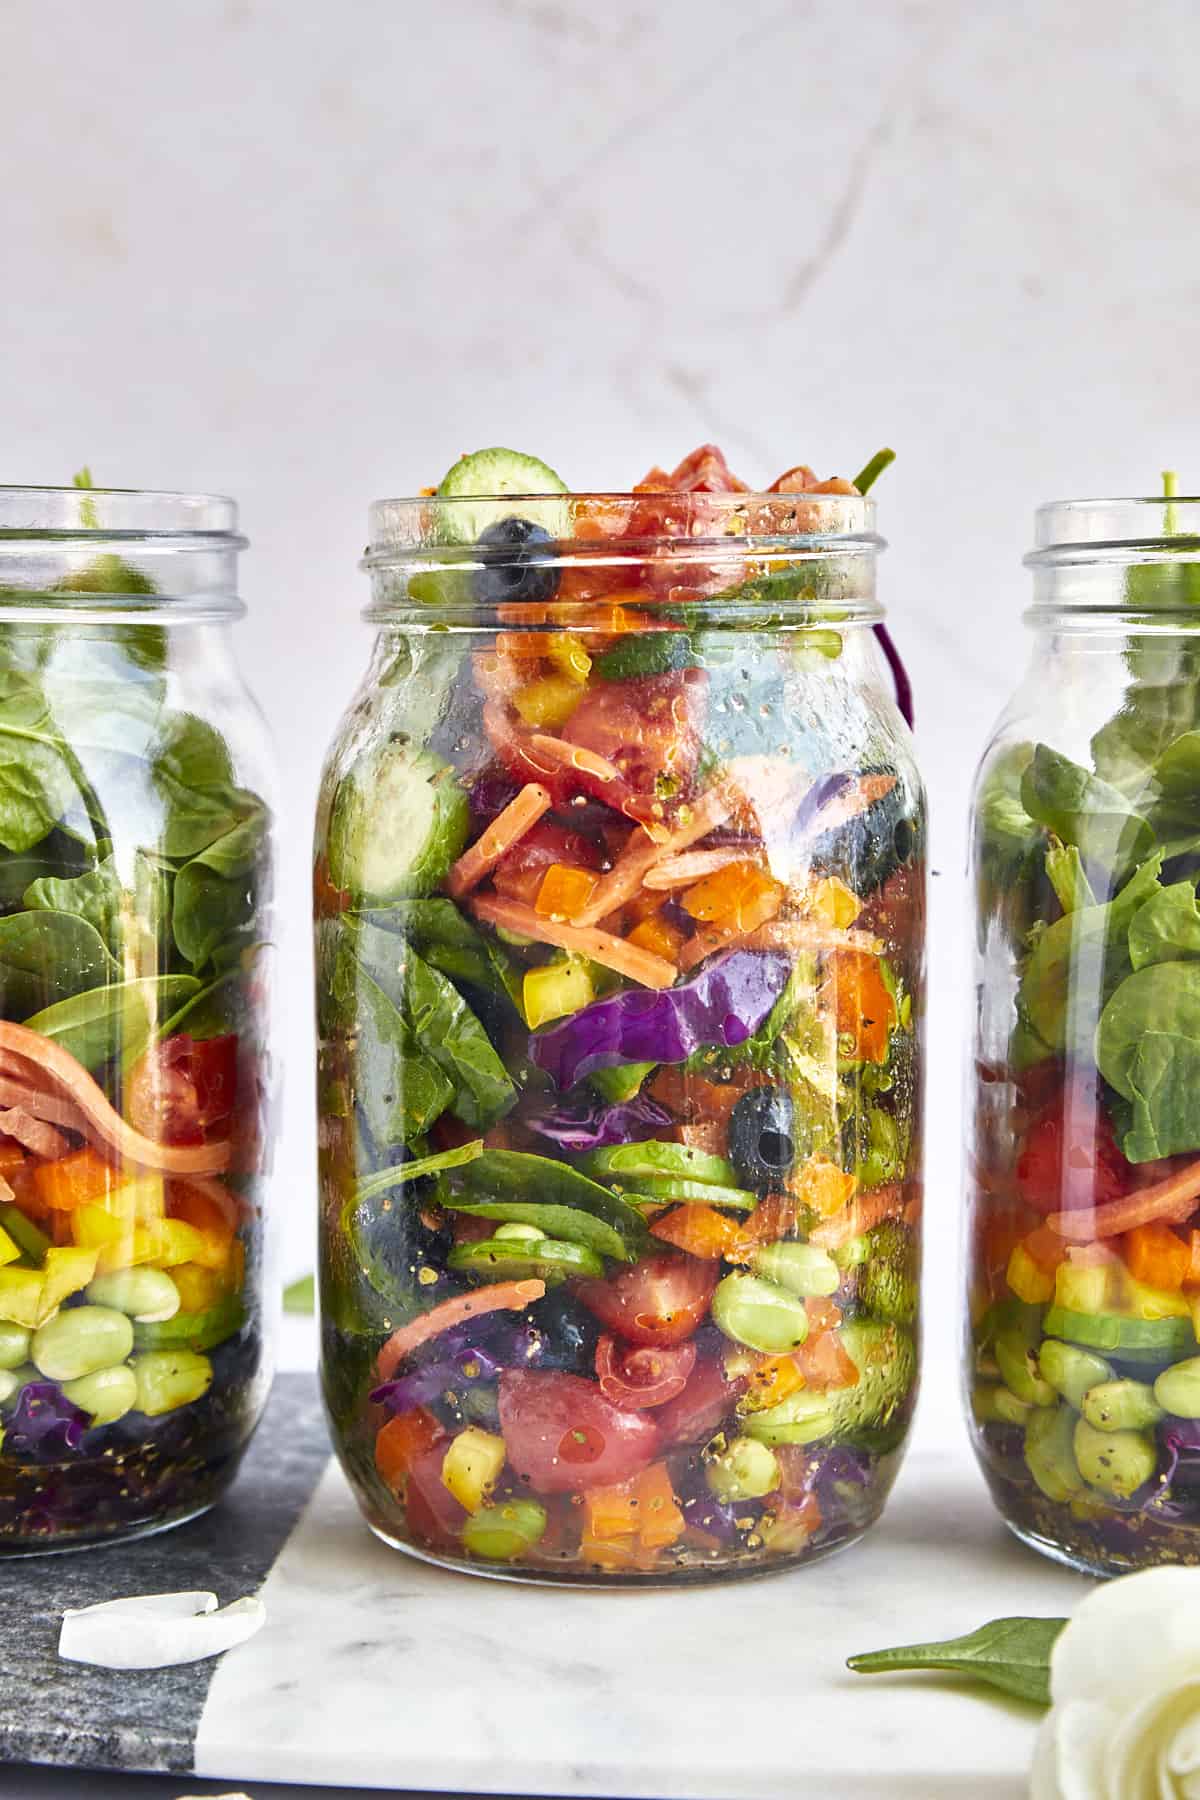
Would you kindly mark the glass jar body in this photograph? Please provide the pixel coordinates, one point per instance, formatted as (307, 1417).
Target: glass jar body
(1082, 1128)
(645, 1309)
(135, 1082)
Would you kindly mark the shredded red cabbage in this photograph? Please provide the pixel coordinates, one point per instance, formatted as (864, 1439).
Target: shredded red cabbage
(44, 1424)
(594, 1126)
(721, 1006)
(904, 694)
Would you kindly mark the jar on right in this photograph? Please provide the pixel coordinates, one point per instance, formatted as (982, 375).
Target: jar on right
(1083, 1163)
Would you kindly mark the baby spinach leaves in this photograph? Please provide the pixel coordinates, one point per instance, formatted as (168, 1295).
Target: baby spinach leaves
(536, 1190)
(94, 896)
(400, 1090)
(47, 957)
(215, 894)
(1148, 1048)
(1086, 811)
(118, 1019)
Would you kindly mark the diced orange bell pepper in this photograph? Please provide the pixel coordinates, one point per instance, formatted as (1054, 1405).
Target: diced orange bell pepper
(823, 1186)
(661, 1521)
(401, 1441)
(699, 1230)
(864, 1011)
(774, 1379)
(1045, 1248)
(196, 1208)
(547, 701)
(612, 1553)
(823, 1314)
(643, 1509)
(1156, 1255)
(825, 1364)
(659, 936)
(739, 897)
(80, 1179)
(12, 1158)
(611, 1512)
(565, 891)
(773, 1218)
(1193, 1274)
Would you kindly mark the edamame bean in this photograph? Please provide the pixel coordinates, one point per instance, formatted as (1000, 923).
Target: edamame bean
(1177, 1389)
(10, 1385)
(1116, 1462)
(1121, 1406)
(747, 1470)
(1072, 1371)
(108, 1394)
(850, 1255)
(502, 1532)
(801, 1268)
(1019, 1367)
(167, 1379)
(148, 1295)
(993, 1405)
(14, 1344)
(78, 1340)
(1050, 1452)
(760, 1314)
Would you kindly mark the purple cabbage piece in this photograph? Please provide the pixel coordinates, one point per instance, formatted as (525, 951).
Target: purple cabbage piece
(490, 794)
(720, 1007)
(427, 1384)
(819, 796)
(717, 1517)
(903, 686)
(595, 1126)
(44, 1424)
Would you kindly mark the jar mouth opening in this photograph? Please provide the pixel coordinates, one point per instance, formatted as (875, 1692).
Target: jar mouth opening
(41, 514)
(1122, 530)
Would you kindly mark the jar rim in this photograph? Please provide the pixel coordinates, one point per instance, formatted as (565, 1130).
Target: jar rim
(93, 513)
(1120, 529)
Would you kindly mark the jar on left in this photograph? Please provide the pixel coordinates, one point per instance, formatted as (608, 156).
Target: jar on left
(135, 1076)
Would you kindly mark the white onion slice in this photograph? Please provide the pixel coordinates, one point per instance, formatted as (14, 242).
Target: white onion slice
(157, 1631)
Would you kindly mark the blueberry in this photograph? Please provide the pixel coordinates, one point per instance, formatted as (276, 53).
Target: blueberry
(762, 1136)
(515, 554)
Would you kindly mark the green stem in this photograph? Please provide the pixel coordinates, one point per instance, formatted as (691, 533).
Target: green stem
(1170, 481)
(867, 477)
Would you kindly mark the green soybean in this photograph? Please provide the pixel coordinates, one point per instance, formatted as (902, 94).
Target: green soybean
(760, 1314)
(503, 1532)
(1019, 1367)
(1121, 1406)
(108, 1394)
(1177, 1389)
(1072, 1371)
(14, 1344)
(850, 1255)
(801, 1268)
(78, 1340)
(803, 1418)
(1116, 1462)
(145, 1294)
(994, 1405)
(746, 1470)
(167, 1379)
(1050, 1452)
(10, 1385)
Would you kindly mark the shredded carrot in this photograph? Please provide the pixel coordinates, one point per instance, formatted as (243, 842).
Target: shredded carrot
(1172, 1201)
(777, 934)
(37, 1136)
(614, 952)
(23, 1094)
(681, 871)
(510, 1296)
(518, 817)
(863, 1212)
(573, 756)
(642, 853)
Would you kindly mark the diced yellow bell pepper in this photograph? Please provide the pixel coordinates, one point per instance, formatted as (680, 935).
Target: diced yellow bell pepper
(1028, 1282)
(199, 1288)
(180, 1242)
(555, 990)
(548, 701)
(67, 1269)
(1145, 1302)
(21, 1296)
(9, 1252)
(1085, 1287)
(472, 1466)
(569, 657)
(831, 900)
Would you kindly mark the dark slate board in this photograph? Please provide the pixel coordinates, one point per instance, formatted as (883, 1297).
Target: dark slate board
(65, 1713)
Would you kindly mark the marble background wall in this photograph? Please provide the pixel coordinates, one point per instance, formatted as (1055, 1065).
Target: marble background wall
(306, 253)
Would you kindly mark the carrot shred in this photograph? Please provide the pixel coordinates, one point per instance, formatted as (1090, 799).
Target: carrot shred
(511, 1296)
(777, 934)
(507, 829)
(693, 865)
(614, 952)
(643, 853)
(572, 756)
(1172, 1200)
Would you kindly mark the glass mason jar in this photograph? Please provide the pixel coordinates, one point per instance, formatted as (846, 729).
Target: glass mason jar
(135, 899)
(619, 916)
(1083, 1174)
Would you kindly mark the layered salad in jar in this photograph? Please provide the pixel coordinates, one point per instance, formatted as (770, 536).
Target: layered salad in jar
(619, 977)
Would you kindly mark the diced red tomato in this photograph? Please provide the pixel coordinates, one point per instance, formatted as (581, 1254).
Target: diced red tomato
(430, 1508)
(182, 1087)
(520, 872)
(645, 1377)
(659, 1301)
(1070, 1157)
(402, 1441)
(564, 1436)
(704, 1402)
(648, 728)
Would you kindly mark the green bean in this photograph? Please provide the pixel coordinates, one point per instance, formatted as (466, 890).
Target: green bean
(994, 1405)
(148, 1295)
(108, 1394)
(167, 1379)
(746, 1470)
(760, 1314)
(1177, 1389)
(1072, 1371)
(801, 1268)
(14, 1344)
(78, 1340)
(1050, 1452)
(1116, 1462)
(1121, 1406)
(1019, 1367)
(502, 1532)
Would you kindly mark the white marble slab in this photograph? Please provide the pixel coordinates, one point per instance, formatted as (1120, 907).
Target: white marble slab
(378, 1671)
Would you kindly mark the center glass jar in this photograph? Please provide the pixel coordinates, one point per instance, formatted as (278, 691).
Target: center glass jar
(619, 902)
(1084, 1154)
(135, 898)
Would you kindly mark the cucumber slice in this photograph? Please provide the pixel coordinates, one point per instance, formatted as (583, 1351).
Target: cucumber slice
(487, 475)
(646, 653)
(399, 820)
(657, 1188)
(1134, 1340)
(515, 1259)
(654, 1157)
(192, 1331)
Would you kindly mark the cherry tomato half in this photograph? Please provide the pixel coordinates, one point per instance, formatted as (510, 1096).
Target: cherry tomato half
(563, 1436)
(645, 1377)
(1070, 1157)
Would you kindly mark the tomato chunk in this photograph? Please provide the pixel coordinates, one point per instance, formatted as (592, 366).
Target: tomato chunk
(520, 872)
(648, 727)
(645, 1377)
(183, 1087)
(563, 1436)
(1070, 1157)
(658, 1301)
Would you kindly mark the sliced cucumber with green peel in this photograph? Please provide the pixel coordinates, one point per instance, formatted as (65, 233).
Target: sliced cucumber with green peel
(399, 820)
(1134, 1340)
(487, 476)
(191, 1331)
(658, 1188)
(518, 1259)
(646, 653)
(655, 1158)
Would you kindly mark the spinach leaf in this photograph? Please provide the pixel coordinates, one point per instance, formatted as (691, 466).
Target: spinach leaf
(95, 896)
(46, 956)
(209, 1011)
(443, 1026)
(536, 1190)
(1166, 928)
(1150, 719)
(1084, 810)
(120, 1017)
(192, 773)
(60, 854)
(215, 894)
(1148, 1049)
(401, 1090)
(448, 941)
(1010, 1654)
(37, 785)
(1008, 846)
(1068, 878)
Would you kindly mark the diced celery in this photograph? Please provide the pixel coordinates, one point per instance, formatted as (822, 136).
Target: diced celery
(33, 1242)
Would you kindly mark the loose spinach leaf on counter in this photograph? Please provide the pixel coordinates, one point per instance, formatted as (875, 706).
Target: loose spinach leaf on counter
(48, 956)
(1010, 1654)
(94, 896)
(1082, 809)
